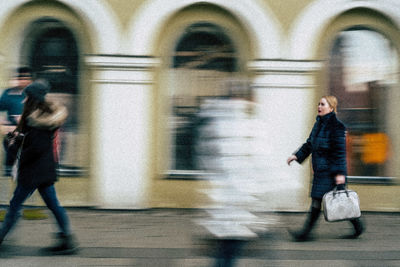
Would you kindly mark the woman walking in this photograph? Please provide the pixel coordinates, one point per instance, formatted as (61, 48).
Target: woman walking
(37, 167)
(327, 144)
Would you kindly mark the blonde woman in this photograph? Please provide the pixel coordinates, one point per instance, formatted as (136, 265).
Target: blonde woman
(327, 144)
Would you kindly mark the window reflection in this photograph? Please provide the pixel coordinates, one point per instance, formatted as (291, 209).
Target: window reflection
(362, 70)
(53, 55)
(205, 66)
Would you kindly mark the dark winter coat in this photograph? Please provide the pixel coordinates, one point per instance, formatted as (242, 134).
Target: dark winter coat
(327, 144)
(37, 166)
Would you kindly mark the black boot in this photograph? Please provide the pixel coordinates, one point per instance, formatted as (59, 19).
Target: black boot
(65, 245)
(304, 234)
(358, 228)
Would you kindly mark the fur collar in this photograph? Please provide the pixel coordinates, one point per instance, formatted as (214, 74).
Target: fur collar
(48, 121)
(326, 117)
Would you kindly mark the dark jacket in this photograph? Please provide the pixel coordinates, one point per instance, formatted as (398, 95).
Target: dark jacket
(327, 144)
(37, 166)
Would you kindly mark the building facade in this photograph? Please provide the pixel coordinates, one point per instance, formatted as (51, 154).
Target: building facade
(134, 73)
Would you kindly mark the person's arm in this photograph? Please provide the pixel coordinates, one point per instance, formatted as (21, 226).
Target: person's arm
(302, 153)
(11, 143)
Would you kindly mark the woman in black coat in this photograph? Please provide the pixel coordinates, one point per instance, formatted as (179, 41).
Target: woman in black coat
(327, 144)
(37, 166)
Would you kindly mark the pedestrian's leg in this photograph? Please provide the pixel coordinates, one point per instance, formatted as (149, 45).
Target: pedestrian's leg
(304, 234)
(49, 197)
(20, 195)
(358, 228)
(65, 244)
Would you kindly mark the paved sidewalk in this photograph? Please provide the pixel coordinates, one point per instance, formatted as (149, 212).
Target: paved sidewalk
(169, 237)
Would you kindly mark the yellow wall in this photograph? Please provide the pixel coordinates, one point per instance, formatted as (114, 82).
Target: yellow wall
(125, 10)
(287, 11)
(179, 194)
(378, 197)
(186, 193)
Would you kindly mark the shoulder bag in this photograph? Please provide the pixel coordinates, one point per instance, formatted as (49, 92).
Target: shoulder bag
(15, 167)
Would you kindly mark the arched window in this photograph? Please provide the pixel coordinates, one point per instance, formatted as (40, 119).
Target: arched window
(54, 56)
(52, 52)
(205, 65)
(205, 46)
(362, 69)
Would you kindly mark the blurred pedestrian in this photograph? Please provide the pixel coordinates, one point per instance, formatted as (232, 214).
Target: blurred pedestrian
(327, 144)
(11, 101)
(37, 167)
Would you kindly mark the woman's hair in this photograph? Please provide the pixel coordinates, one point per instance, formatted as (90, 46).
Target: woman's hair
(30, 106)
(332, 101)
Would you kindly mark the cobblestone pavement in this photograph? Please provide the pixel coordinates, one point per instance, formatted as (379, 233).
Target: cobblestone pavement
(170, 237)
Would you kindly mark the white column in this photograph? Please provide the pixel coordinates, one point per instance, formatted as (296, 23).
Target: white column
(120, 130)
(285, 95)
